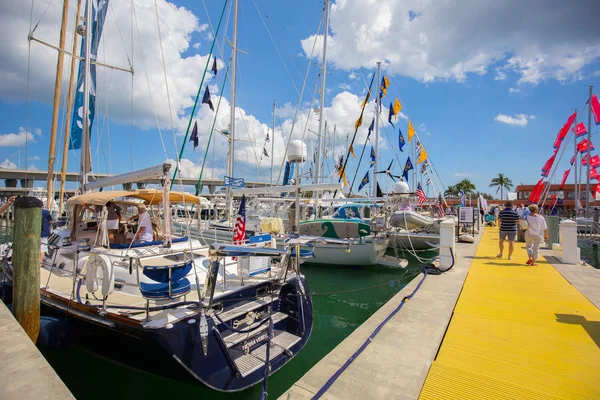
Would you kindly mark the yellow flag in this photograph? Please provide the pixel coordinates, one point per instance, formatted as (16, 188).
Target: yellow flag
(397, 107)
(352, 151)
(342, 174)
(422, 156)
(387, 82)
(358, 123)
(364, 103)
(411, 130)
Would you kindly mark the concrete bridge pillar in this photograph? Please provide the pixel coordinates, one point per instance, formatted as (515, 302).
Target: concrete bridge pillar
(10, 183)
(27, 183)
(212, 188)
(141, 185)
(127, 186)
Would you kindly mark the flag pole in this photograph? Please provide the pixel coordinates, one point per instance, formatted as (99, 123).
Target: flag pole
(589, 129)
(575, 165)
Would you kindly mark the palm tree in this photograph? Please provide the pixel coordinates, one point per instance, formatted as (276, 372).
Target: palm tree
(451, 191)
(502, 182)
(466, 186)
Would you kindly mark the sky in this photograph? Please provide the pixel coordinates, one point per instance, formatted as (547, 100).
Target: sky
(487, 85)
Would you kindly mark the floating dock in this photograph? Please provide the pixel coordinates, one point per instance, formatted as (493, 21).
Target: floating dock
(492, 329)
(24, 372)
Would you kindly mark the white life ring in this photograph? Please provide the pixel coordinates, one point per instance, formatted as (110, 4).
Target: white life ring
(99, 268)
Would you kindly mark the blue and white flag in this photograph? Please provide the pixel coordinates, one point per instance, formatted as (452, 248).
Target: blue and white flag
(99, 8)
(373, 155)
(401, 142)
(364, 181)
(463, 198)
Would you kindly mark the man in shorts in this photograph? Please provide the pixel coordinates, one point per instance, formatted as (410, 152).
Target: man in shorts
(508, 228)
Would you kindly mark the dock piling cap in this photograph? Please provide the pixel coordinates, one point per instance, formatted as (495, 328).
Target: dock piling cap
(28, 202)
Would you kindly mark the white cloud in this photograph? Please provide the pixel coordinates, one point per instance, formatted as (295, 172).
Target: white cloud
(16, 139)
(465, 174)
(517, 120)
(32, 168)
(514, 90)
(430, 40)
(500, 75)
(37, 131)
(353, 76)
(344, 86)
(177, 25)
(7, 164)
(33, 158)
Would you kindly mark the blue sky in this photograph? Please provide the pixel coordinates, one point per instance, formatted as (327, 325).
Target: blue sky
(487, 87)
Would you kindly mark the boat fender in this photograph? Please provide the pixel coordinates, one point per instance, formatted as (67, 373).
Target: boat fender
(99, 268)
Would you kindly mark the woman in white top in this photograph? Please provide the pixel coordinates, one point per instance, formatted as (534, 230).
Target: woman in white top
(535, 232)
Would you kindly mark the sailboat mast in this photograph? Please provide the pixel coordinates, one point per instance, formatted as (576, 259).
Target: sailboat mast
(377, 106)
(589, 129)
(65, 154)
(322, 101)
(56, 106)
(232, 100)
(273, 140)
(85, 134)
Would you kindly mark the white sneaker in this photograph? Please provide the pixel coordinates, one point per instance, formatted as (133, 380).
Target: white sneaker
(509, 257)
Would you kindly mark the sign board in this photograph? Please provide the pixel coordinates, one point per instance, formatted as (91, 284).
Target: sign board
(259, 265)
(265, 238)
(235, 183)
(465, 215)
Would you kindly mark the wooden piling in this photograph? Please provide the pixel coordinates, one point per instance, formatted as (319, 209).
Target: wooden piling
(26, 264)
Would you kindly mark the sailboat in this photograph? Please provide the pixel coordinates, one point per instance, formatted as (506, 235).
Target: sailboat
(224, 315)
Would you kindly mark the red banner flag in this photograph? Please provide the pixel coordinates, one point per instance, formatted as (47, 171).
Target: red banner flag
(584, 160)
(564, 178)
(596, 109)
(593, 173)
(580, 129)
(583, 146)
(564, 130)
(596, 189)
(595, 161)
(533, 197)
(548, 166)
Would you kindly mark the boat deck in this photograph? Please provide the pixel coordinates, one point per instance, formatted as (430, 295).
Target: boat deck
(517, 332)
(514, 332)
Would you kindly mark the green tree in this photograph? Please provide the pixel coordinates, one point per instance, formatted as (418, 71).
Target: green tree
(451, 192)
(502, 182)
(466, 186)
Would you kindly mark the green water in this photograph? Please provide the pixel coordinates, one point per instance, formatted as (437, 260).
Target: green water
(90, 376)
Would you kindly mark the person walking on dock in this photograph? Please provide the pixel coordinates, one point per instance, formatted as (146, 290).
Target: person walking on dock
(508, 228)
(537, 229)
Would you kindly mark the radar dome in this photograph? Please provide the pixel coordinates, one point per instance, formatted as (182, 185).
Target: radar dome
(297, 151)
(400, 187)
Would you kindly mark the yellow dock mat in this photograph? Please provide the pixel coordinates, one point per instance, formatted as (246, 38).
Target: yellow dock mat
(517, 332)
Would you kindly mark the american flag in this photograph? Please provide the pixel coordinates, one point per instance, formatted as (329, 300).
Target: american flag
(421, 195)
(440, 208)
(239, 233)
